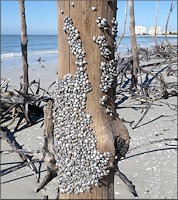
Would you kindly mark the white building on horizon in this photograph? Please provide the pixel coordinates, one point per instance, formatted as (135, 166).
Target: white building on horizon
(152, 30)
(140, 30)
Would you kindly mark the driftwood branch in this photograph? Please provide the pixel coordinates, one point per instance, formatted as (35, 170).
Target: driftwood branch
(24, 41)
(168, 21)
(48, 154)
(156, 22)
(134, 126)
(10, 139)
(12, 169)
(124, 25)
(134, 45)
(126, 181)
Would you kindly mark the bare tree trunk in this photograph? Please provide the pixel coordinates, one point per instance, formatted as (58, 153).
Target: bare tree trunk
(24, 41)
(106, 128)
(171, 8)
(124, 25)
(133, 44)
(156, 22)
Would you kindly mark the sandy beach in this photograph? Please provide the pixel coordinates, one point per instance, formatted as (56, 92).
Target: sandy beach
(151, 163)
(89, 100)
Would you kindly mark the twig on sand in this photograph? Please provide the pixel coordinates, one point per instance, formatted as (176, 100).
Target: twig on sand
(45, 181)
(12, 169)
(58, 193)
(153, 142)
(10, 139)
(134, 126)
(126, 181)
(20, 151)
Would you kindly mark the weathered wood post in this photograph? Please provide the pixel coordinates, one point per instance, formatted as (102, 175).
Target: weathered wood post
(170, 10)
(24, 41)
(133, 43)
(125, 18)
(156, 22)
(107, 129)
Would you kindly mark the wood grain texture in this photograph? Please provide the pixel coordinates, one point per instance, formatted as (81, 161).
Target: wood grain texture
(84, 19)
(24, 41)
(133, 43)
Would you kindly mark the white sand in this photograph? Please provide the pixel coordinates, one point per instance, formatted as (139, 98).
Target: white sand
(151, 167)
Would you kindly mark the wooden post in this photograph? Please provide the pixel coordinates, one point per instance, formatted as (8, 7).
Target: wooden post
(84, 19)
(124, 25)
(156, 22)
(170, 10)
(133, 43)
(24, 41)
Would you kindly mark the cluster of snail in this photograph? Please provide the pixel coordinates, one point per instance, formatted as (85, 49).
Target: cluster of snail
(103, 100)
(114, 26)
(103, 45)
(80, 164)
(108, 75)
(102, 23)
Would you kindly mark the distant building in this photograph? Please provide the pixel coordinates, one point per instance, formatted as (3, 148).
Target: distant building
(140, 30)
(152, 30)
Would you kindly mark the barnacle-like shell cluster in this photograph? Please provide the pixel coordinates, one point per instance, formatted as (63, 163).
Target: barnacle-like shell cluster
(108, 75)
(102, 23)
(80, 164)
(114, 26)
(103, 45)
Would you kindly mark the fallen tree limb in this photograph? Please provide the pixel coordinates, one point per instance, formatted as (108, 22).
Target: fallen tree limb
(134, 126)
(21, 151)
(48, 149)
(12, 169)
(10, 139)
(126, 181)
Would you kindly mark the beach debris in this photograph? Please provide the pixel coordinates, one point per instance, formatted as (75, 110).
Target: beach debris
(154, 86)
(10, 139)
(39, 59)
(126, 181)
(147, 109)
(15, 104)
(4, 84)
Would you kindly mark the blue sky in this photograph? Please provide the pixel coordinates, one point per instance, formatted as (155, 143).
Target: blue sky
(41, 16)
